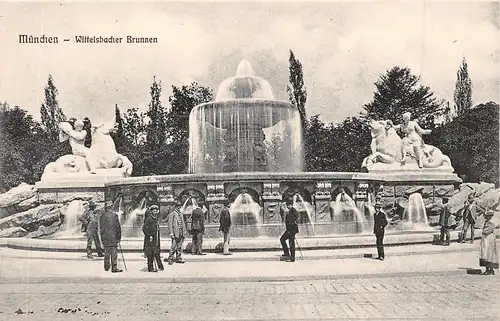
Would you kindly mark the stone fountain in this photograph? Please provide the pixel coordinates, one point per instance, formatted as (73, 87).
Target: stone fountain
(246, 151)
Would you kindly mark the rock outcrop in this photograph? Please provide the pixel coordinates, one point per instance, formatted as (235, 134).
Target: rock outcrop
(18, 199)
(31, 220)
(13, 232)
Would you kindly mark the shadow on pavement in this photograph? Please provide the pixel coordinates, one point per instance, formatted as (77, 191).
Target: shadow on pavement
(471, 270)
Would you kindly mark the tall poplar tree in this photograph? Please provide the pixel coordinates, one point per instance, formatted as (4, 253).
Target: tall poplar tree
(119, 137)
(463, 90)
(50, 111)
(296, 89)
(156, 129)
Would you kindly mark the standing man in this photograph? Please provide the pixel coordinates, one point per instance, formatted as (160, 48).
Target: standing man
(151, 230)
(111, 235)
(470, 213)
(177, 229)
(90, 220)
(444, 222)
(198, 228)
(292, 228)
(224, 227)
(379, 224)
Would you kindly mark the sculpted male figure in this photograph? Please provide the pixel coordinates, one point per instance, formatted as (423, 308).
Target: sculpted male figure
(76, 137)
(413, 137)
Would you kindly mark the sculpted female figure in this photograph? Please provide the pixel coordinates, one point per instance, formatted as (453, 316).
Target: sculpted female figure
(412, 137)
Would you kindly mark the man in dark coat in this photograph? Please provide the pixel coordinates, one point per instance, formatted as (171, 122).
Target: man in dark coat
(224, 227)
(111, 234)
(198, 228)
(379, 224)
(470, 211)
(177, 230)
(292, 228)
(444, 222)
(151, 230)
(90, 220)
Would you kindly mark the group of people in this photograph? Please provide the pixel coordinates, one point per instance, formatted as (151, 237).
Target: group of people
(110, 233)
(177, 229)
(469, 215)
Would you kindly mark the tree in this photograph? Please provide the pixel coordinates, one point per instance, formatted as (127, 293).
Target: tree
(398, 92)
(297, 93)
(336, 147)
(316, 146)
(447, 114)
(274, 148)
(350, 144)
(182, 101)
(24, 148)
(50, 111)
(463, 90)
(472, 143)
(134, 127)
(119, 136)
(156, 129)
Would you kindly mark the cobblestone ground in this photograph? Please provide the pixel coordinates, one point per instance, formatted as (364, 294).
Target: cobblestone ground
(459, 297)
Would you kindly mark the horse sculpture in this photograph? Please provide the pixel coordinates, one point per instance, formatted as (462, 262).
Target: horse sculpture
(387, 151)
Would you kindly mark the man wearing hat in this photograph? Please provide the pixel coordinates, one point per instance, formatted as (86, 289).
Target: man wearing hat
(444, 221)
(151, 230)
(224, 227)
(488, 250)
(198, 228)
(379, 224)
(177, 230)
(292, 228)
(90, 220)
(470, 213)
(111, 235)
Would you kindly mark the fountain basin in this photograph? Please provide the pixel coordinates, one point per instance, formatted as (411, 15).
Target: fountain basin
(393, 238)
(269, 190)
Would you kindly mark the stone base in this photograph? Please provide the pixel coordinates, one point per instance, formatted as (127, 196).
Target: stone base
(100, 174)
(411, 167)
(65, 191)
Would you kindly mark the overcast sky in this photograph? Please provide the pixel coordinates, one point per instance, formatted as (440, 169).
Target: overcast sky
(344, 48)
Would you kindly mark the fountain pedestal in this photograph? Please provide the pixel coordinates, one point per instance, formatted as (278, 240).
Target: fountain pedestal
(166, 200)
(322, 199)
(215, 202)
(271, 199)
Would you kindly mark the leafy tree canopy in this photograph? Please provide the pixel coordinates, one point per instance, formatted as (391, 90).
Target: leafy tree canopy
(398, 91)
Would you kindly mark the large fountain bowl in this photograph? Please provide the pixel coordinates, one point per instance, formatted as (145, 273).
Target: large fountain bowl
(245, 129)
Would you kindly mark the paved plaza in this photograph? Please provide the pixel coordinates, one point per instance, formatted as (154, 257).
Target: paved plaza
(418, 286)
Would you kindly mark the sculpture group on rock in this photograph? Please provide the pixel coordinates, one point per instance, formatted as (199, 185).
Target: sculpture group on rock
(391, 152)
(100, 157)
